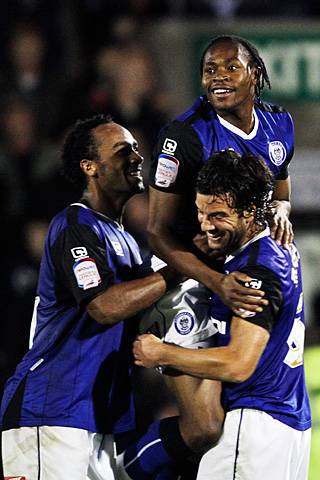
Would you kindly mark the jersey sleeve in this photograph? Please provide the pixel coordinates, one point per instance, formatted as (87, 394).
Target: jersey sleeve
(289, 131)
(80, 258)
(176, 158)
(266, 280)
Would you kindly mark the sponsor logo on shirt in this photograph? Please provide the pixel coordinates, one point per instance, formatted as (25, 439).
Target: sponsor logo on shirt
(79, 252)
(167, 170)
(169, 146)
(184, 322)
(220, 326)
(254, 283)
(86, 273)
(277, 152)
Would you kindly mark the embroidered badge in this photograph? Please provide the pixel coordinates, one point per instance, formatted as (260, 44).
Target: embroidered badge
(167, 170)
(86, 273)
(277, 152)
(184, 322)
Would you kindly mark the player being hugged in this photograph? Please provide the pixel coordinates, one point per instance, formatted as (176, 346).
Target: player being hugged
(258, 358)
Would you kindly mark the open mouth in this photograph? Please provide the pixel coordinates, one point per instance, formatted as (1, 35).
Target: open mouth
(221, 92)
(135, 173)
(214, 236)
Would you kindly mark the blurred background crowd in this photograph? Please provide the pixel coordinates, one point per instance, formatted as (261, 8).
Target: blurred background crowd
(138, 60)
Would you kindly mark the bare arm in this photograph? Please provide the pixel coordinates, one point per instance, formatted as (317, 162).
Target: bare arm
(247, 342)
(281, 229)
(163, 212)
(125, 299)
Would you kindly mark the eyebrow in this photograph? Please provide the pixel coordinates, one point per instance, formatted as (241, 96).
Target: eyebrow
(227, 60)
(121, 144)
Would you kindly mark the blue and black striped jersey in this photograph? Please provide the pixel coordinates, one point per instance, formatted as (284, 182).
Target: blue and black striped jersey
(77, 371)
(277, 386)
(186, 143)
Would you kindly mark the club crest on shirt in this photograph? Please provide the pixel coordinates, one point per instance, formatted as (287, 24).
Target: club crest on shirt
(184, 322)
(169, 146)
(167, 170)
(86, 273)
(277, 152)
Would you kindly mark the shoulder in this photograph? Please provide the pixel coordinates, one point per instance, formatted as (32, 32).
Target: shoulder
(274, 117)
(75, 219)
(199, 112)
(270, 107)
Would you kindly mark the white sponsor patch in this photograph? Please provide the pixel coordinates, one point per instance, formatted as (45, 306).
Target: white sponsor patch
(86, 273)
(167, 171)
(118, 248)
(184, 322)
(169, 146)
(277, 152)
(79, 252)
(254, 283)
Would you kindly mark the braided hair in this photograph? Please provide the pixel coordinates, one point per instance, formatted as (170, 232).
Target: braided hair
(244, 179)
(79, 144)
(255, 59)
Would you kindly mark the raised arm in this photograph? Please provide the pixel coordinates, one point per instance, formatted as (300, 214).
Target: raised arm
(281, 229)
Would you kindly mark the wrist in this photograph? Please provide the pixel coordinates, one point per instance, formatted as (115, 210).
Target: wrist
(170, 276)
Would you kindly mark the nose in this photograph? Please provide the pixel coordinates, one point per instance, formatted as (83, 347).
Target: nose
(137, 158)
(220, 74)
(206, 224)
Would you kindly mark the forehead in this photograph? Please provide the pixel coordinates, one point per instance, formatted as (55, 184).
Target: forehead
(110, 135)
(226, 50)
(209, 203)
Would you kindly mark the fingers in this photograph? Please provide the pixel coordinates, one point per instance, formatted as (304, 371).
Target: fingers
(282, 232)
(249, 298)
(246, 289)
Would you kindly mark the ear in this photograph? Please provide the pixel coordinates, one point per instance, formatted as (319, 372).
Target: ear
(255, 73)
(249, 214)
(88, 167)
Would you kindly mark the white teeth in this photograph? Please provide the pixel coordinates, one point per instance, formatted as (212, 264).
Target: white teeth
(221, 90)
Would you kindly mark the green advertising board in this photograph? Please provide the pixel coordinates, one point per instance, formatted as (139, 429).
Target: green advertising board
(292, 61)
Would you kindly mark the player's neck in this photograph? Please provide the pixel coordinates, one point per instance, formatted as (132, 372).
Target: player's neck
(241, 118)
(252, 232)
(110, 207)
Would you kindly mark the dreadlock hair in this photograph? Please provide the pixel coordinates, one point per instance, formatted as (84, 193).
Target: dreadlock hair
(254, 57)
(244, 179)
(79, 144)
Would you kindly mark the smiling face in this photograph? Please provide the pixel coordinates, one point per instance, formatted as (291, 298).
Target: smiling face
(228, 78)
(226, 230)
(119, 167)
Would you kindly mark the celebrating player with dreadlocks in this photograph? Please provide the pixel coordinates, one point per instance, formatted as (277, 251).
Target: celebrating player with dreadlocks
(230, 115)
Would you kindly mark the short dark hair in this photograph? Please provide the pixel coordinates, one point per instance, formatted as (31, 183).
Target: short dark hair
(246, 178)
(79, 144)
(262, 74)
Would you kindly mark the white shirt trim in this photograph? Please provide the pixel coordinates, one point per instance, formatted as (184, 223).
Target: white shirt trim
(264, 233)
(78, 204)
(238, 131)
